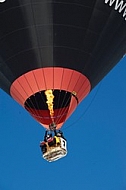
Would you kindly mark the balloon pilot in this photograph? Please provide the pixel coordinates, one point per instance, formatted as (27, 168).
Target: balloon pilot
(54, 145)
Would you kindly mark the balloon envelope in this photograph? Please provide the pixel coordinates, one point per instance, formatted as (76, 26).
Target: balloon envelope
(67, 47)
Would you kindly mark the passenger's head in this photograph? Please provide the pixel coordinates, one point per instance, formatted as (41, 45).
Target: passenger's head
(58, 135)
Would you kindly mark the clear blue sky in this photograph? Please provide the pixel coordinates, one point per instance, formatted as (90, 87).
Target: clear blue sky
(96, 157)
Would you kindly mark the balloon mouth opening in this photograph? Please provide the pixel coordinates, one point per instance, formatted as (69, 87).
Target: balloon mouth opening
(37, 106)
(38, 100)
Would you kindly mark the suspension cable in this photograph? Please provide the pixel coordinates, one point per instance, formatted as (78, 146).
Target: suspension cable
(84, 112)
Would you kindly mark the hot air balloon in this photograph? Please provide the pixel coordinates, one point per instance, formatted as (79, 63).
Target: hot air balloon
(53, 53)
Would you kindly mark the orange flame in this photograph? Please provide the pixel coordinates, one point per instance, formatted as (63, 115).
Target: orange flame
(50, 97)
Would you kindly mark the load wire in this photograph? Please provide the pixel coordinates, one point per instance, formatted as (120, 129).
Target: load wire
(93, 98)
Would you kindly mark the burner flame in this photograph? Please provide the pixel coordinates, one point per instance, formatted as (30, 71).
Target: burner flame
(50, 97)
